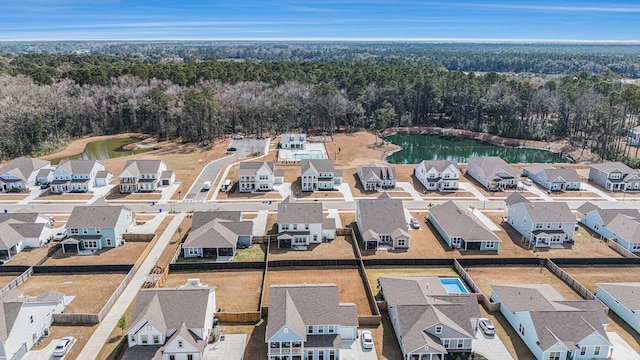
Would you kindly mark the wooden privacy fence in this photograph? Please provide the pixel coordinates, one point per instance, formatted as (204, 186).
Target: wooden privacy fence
(176, 254)
(18, 280)
(369, 320)
(569, 280)
(138, 237)
(482, 297)
(239, 317)
(621, 250)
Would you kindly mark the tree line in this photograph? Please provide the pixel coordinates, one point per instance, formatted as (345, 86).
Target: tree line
(46, 99)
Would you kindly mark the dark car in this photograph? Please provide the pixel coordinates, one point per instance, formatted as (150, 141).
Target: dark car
(231, 149)
(45, 185)
(261, 138)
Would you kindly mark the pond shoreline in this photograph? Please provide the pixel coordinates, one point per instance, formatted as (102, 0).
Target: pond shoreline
(77, 146)
(572, 153)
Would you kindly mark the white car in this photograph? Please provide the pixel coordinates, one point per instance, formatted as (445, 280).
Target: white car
(414, 223)
(367, 339)
(527, 182)
(60, 235)
(238, 137)
(487, 327)
(63, 346)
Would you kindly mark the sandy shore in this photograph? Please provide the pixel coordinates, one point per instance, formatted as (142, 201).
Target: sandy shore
(77, 146)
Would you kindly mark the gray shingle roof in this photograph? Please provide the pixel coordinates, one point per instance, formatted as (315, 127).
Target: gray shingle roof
(515, 198)
(23, 167)
(78, 166)
(625, 227)
(569, 175)
(13, 231)
(218, 233)
(549, 212)
(94, 216)
(457, 222)
(248, 168)
(492, 165)
(611, 166)
(137, 167)
(293, 212)
(287, 138)
(203, 217)
(382, 215)
(607, 215)
(627, 294)
(586, 207)
(318, 165)
(377, 171)
(167, 174)
(297, 306)
(102, 174)
(439, 165)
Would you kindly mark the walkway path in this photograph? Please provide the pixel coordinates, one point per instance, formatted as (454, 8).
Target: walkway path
(595, 190)
(345, 190)
(539, 193)
(472, 189)
(333, 213)
(485, 220)
(410, 189)
(101, 335)
(260, 223)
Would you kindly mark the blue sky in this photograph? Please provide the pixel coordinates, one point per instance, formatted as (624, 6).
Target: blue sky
(319, 20)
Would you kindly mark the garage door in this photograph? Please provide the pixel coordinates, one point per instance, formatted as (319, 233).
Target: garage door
(347, 333)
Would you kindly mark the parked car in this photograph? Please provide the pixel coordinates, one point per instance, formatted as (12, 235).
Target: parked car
(60, 235)
(238, 137)
(487, 327)
(63, 346)
(206, 186)
(261, 138)
(367, 339)
(414, 223)
(231, 149)
(527, 182)
(45, 185)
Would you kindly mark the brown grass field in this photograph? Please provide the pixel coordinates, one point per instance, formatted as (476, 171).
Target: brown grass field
(350, 286)
(6, 278)
(340, 248)
(357, 148)
(236, 291)
(126, 254)
(91, 291)
(81, 333)
(30, 256)
(175, 241)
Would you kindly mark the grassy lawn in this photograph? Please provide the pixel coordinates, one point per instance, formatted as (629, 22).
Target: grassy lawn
(254, 253)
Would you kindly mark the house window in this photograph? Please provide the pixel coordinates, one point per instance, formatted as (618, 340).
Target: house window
(596, 352)
(445, 343)
(31, 319)
(401, 242)
(596, 226)
(560, 226)
(320, 354)
(309, 329)
(180, 344)
(285, 226)
(635, 246)
(306, 226)
(490, 244)
(85, 231)
(74, 231)
(583, 351)
(521, 330)
(460, 343)
(548, 225)
(109, 242)
(97, 230)
(309, 354)
(320, 329)
(193, 251)
(189, 357)
(332, 355)
(172, 357)
(438, 329)
(156, 339)
(145, 339)
(332, 329)
(133, 338)
(554, 355)
(538, 226)
(295, 226)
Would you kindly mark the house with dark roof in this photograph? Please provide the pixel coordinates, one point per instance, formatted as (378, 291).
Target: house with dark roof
(76, 176)
(548, 224)
(217, 237)
(461, 229)
(429, 323)
(614, 176)
(633, 136)
(25, 319)
(144, 176)
(293, 141)
(21, 173)
(553, 179)
(44, 176)
(623, 299)
(493, 172)
(103, 178)
(302, 223)
(552, 327)
(22, 230)
(171, 323)
(619, 225)
(319, 174)
(376, 177)
(95, 227)
(438, 175)
(381, 222)
(258, 176)
(308, 322)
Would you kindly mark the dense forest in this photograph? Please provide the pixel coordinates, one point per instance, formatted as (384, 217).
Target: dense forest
(47, 98)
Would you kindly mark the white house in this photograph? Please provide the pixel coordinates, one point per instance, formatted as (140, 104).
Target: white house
(171, 323)
(623, 299)
(22, 230)
(217, 235)
(381, 223)
(614, 176)
(319, 174)
(293, 141)
(144, 175)
(542, 224)
(301, 224)
(76, 176)
(493, 172)
(308, 322)
(438, 175)
(258, 176)
(21, 173)
(376, 177)
(554, 328)
(25, 319)
(553, 179)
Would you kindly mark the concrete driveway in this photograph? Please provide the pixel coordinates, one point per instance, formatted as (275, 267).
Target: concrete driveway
(490, 347)
(621, 349)
(229, 347)
(46, 353)
(352, 350)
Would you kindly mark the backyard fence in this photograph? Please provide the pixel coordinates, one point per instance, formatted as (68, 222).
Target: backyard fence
(569, 280)
(621, 250)
(239, 317)
(18, 280)
(138, 237)
(482, 297)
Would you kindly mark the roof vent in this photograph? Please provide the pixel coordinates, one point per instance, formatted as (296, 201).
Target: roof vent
(193, 283)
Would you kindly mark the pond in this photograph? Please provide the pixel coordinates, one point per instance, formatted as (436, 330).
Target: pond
(105, 149)
(416, 147)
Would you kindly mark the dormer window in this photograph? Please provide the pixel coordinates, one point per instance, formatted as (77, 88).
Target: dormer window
(438, 329)
(180, 344)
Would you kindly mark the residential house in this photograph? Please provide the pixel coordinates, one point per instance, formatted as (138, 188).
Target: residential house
(21, 173)
(614, 176)
(293, 141)
(633, 136)
(25, 319)
(301, 224)
(258, 176)
(319, 174)
(22, 230)
(217, 237)
(553, 179)
(492, 172)
(376, 177)
(623, 299)
(542, 224)
(308, 322)
(95, 227)
(75, 176)
(461, 229)
(144, 175)
(429, 323)
(44, 176)
(438, 175)
(554, 328)
(171, 323)
(103, 178)
(620, 225)
(381, 222)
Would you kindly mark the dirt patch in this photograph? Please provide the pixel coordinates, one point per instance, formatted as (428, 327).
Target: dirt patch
(358, 148)
(8, 197)
(124, 254)
(49, 196)
(236, 291)
(350, 286)
(340, 248)
(91, 291)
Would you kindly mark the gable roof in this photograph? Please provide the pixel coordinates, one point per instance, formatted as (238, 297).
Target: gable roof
(297, 306)
(44, 173)
(607, 215)
(383, 215)
(492, 165)
(377, 171)
(294, 212)
(78, 166)
(23, 167)
(11, 306)
(218, 233)
(625, 227)
(287, 138)
(201, 218)
(317, 165)
(515, 198)
(252, 167)
(137, 167)
(13, 231)
(439, 165)
(611, 166)
(569, 175)
(627, 294)
(457, 222)
(189, 336)
(95, 216)
(548, 211)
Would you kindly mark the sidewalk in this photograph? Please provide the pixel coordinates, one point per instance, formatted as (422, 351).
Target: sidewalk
(472, 189)
(539, 193)
(595, 190)
(410, 189)
(101, 335)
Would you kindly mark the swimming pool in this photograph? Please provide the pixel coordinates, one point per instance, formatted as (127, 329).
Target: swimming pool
(312, 154)
(454, 285)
